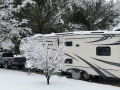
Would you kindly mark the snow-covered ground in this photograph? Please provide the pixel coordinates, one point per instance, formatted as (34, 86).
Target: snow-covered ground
(17, 80)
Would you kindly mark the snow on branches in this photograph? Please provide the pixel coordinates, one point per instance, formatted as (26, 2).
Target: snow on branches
(10, 27)
(43, 55)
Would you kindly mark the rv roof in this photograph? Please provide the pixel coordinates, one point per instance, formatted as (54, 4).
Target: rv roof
(75, 32)
(90, 32)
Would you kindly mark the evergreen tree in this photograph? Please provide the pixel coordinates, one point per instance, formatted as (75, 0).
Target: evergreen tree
(10, 27)
(93, 14)
(44, 15)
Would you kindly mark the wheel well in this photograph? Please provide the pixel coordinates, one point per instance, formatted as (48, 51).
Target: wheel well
(76, 69)
(8, 61)
(5, 61)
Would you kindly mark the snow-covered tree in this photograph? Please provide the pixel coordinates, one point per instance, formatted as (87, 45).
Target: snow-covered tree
(93, 14)
(42, 56)
(44, 15)
(10, 27)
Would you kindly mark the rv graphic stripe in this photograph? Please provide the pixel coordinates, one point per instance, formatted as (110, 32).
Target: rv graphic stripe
(78, 66)
(116, 43)
(96, 69)
(71, 57)
(111, 63)
(105, 37)
(108, 73)
(81, 38)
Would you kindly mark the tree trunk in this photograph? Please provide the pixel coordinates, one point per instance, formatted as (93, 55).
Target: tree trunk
(29, 71)
(48, 80)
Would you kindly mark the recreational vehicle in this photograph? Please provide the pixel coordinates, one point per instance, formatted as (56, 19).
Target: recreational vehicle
(91, 53)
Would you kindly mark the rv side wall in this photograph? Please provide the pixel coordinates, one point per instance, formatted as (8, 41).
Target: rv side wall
(95, 54)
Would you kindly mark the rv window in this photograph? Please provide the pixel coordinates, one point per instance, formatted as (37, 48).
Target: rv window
(68, 43)
(103, 51)
(68, 61)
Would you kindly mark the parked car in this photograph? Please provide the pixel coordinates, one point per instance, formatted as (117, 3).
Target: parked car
(8, 59)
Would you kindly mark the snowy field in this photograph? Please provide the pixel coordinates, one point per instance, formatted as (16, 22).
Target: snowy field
(17, 80)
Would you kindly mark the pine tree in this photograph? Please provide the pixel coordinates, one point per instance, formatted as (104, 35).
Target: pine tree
(93, 14)
(10, 27)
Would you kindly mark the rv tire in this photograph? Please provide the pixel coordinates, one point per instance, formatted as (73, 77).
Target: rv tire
(76, 74)
(86, 76)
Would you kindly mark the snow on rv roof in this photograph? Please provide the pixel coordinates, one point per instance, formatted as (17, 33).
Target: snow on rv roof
(78, 32)
(45, 35)
(75, 32)
(37, 35)
(90, 32)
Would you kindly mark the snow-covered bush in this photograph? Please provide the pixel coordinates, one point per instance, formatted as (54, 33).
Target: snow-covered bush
(41, 56)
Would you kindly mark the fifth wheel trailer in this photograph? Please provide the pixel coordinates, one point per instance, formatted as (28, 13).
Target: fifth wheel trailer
(92, 53)
(89, 53)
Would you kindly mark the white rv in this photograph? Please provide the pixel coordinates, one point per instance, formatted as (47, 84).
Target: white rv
(91, 53)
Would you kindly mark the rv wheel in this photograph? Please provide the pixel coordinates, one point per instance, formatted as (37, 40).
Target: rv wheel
(86, 76)
(76, 75)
